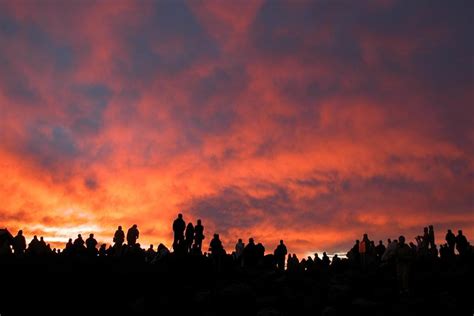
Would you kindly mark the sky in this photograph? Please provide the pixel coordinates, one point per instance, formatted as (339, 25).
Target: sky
(308, 121)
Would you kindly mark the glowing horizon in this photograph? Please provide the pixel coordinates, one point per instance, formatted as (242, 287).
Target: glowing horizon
(312, 122)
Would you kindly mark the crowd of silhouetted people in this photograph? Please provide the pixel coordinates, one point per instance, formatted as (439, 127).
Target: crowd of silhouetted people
(188, 241)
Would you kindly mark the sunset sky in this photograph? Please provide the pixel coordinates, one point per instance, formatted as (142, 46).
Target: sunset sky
(312, 122)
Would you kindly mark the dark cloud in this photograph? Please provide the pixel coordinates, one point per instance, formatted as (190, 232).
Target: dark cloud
(16, 86)
(8, 26)
(230, 206)
(43, 49)
(168, 42)
(91, 183)
(87, 112)
(51, 146)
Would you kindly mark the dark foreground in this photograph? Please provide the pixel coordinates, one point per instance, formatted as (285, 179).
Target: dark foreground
(195, 285)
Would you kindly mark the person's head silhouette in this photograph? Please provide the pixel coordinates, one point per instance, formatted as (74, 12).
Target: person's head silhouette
(180, 216)
(401, 240)
(20, 232)
(134, 225)
(91, 235)
(199, 222)
(281, 241)
(120, 228)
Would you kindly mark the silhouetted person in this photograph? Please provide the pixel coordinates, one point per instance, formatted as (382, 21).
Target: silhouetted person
(178, 228)
(150, 254)
(103, 250)
(461, 243)
(239, 249)
(336, 261)
(353, 255)
(19, 243)
(79, 245)
(364, 246)
(250, 254)
(325, 261)
(91, 244)
(195, 250)
(132, 235)
(189, 236)
(161, 253)
(69, 248)
(215, 246)
(198, 234)
(379, 250)
(425, 239)
(451, 240)
(43, 248)
(317, 262)
(119, 237)
(389, 254)
(33, 246)
(260, 250)
(280, 254)
(431, 237)
(217, 251)
(403, 257)
(289, 263)
(444, 252)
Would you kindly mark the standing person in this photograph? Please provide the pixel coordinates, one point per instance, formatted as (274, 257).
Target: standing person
(425, 240)
(364, 246)
(178, 228)
(132, 235)
(431, 237)
(461, 243)
(239, 249)
(451, 240)
(79, 248)
(249, 256)
(189, 236)
(198, 234)
(150, 254)
(19, 243)
(403, 258)
(217, 251)
(379, 250)
(215, 246)
(91, 244)
(280, 254)
(119, 237)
